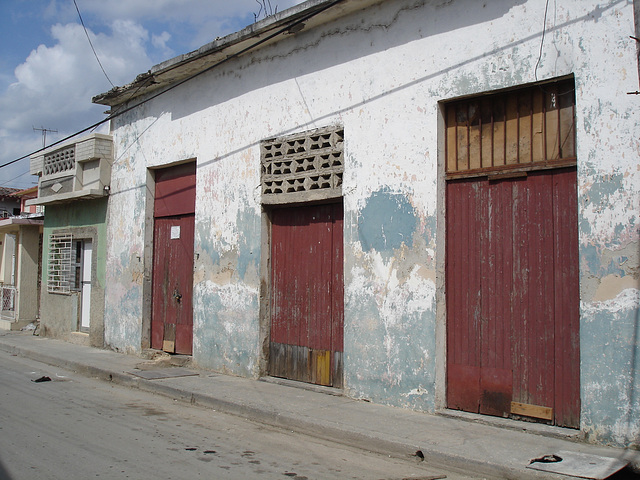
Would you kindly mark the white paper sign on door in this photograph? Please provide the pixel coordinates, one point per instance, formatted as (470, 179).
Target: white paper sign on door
(175, 232)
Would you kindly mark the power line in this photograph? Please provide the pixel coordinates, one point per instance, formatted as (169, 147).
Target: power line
(90, 43)
(544, 30)
(288, 28)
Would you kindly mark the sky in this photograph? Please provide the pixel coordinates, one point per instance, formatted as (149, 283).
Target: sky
(49, 73)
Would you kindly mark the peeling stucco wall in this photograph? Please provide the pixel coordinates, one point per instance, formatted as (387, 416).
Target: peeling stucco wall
(380, 74)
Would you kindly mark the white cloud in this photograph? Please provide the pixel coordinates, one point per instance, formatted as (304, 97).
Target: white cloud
(56, 83)
(53, 87)
(160, 41)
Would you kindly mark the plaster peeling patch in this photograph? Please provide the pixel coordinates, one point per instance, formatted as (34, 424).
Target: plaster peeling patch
(386, 222)
(612, 285)
(401, 299)
(416, 391)
(628, 299)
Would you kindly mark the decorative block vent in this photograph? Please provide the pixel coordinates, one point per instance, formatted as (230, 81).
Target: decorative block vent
(59, 272)
(60, 161)
(303, 167)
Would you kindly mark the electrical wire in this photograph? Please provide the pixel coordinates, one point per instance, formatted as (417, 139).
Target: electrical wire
(286, 28)
(91, 44)
(13, 179)
(544, 30)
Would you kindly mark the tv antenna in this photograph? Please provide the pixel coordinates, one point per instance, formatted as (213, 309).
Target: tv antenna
(44, 134)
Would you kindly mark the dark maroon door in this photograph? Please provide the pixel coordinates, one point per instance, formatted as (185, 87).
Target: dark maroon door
(172, 316)
(307, 307)
(172, 281)
(513, 296)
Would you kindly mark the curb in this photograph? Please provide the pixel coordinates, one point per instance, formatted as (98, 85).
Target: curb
(322, 430)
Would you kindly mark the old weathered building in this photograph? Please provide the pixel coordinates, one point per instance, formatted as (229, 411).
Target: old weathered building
(430, 204)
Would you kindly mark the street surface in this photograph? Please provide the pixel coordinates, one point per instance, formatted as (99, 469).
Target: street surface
(74, 427)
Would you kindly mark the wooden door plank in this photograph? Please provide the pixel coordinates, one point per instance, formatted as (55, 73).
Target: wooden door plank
(535, 411)
(537, 127)
(499, 131)
(552, 123)
(486, 139)
(524, 127)
(337, 296)
(511, 132)
(475, 136)
(520, 282)
(462, 134)
(159, 286)
(182, 269)
(566, 301)
(567, 116)
(540, 329)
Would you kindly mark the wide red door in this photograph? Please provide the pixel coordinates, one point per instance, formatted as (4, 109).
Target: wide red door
(513, 297)
(307, 307)
(172, 281)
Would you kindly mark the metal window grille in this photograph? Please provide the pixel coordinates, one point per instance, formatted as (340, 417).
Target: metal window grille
(303, 163)
(60, 272)
(60, 161)
(8, 294)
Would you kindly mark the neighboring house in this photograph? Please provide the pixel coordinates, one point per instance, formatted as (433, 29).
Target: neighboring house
(9, 202)
(25, 196)
(20, 262)
(73, 186)
(428, 204)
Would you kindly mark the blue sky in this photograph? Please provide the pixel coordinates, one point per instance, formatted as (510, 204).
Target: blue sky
(48, 72)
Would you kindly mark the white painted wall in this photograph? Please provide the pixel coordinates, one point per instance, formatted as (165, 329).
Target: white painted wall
(380, 73)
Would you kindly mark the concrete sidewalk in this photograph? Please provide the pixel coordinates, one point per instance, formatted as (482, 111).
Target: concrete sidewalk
(484, 446)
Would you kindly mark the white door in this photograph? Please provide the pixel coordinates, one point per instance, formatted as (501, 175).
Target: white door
(87, 250)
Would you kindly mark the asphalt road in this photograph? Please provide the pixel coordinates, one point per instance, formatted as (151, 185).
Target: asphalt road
(74, 427)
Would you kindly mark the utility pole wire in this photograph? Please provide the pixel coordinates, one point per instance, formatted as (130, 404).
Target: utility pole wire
(91, 44)
(284, 29)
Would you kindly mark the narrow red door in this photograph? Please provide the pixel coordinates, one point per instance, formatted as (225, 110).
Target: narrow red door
(172, 328)
(172, 278)
(512, 296)
(307, 306)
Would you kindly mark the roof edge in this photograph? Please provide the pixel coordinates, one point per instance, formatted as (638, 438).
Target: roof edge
(266, 32)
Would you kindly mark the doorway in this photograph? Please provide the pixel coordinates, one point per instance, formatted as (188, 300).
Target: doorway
(172, 277)
(307, 306)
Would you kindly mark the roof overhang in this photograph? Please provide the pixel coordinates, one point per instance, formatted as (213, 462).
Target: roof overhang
(67, 197)
(272, 29)
(14, 223)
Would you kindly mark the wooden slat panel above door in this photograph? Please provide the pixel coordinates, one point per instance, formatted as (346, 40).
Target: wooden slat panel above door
(528, 127)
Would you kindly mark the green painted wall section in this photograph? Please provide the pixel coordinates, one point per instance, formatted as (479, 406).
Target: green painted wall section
(77, 215)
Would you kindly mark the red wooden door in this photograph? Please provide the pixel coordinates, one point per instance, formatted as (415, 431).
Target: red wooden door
(172, 315)
(172, 278)
(307, 306)
(512, 296)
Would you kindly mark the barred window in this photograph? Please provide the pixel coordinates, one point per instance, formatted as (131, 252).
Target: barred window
(59, 274)
(65, 264)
